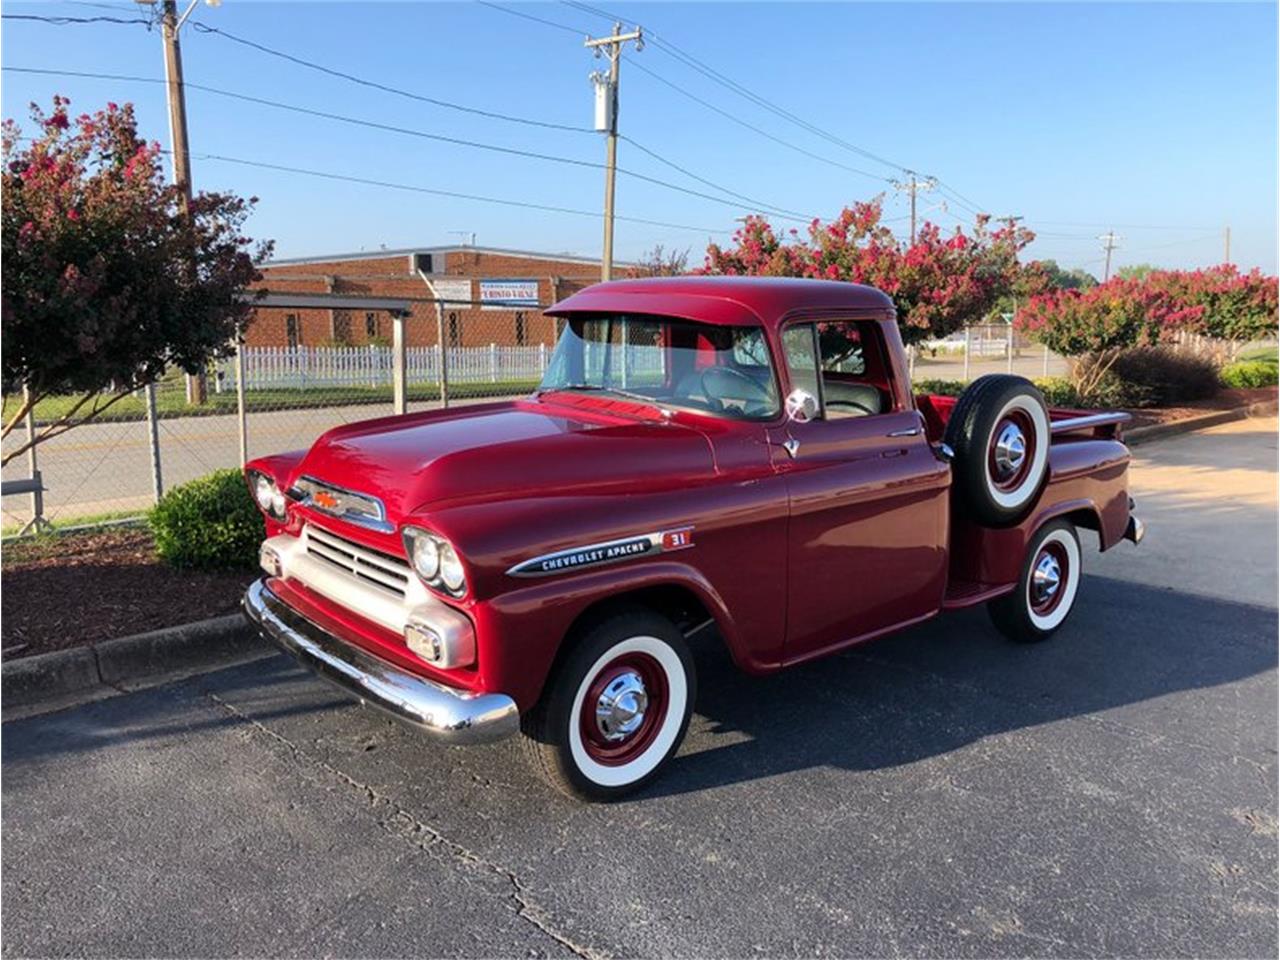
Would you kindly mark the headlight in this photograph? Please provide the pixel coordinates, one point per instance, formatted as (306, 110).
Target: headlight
(450, 569)
(435, 561)
(426, 557)
(267, 495)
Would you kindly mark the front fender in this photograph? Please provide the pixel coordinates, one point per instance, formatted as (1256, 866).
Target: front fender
(522, 630)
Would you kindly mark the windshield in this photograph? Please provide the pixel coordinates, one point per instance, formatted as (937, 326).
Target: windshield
(720, 370)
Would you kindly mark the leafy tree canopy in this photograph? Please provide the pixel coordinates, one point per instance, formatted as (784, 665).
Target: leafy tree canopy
(109, 275)
(938, 284)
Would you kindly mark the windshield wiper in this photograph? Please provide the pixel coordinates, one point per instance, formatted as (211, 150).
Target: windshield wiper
(616, 391)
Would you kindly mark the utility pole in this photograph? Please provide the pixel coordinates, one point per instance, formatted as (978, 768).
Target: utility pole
(170, 24)
(607, 123)
(1109, 243)
(1226, 243)
(913, 186)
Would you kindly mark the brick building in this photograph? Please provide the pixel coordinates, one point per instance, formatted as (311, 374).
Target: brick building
(517, 285)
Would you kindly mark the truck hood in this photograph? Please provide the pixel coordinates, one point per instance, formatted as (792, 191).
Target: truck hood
(509, 450)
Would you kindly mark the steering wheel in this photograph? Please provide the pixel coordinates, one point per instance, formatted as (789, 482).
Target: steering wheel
(852, 403)
(753, 390)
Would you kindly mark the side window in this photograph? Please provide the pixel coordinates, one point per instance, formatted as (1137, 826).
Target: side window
(801, 357)
(292, 331)
(842, 348)
(855, 381)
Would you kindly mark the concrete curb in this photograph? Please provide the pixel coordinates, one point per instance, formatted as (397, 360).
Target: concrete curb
(63, 677)
(1158, 431)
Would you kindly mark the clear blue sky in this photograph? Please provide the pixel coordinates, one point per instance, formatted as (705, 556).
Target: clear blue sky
(1158, 119)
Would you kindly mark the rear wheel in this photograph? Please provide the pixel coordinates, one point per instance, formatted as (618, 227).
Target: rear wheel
(1046, 591)
(999, 431)
(617, 708)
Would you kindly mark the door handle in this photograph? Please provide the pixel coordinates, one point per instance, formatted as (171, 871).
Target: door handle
(909, 432)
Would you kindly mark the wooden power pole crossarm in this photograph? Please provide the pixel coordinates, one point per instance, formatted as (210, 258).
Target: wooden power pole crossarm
(913, 185)
(607, 123)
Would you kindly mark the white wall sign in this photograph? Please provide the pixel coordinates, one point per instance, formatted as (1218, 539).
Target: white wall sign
(457, 289)
(507, 294)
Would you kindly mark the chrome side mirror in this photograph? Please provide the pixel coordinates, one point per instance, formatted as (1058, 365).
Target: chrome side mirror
(802, 406)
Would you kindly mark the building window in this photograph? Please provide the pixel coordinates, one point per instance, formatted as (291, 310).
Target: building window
(292, 331)
(342, 328)
(455, 330)
(519, 329)
(371, 326)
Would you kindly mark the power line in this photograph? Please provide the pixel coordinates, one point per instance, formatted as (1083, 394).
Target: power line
(754, 129)
(716, 76)
(66, 21)
(310, 64)
(391, 128)
(766, 207)
(435, 191)
(373, 84)
(530, 16)
(345, 178)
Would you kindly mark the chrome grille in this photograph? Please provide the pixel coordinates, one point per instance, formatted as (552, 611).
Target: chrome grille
(371, 566)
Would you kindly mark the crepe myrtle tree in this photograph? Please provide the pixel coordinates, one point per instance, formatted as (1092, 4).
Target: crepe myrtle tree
(1236, 307)
(938, 284)
(109, 276)
(1095, 326)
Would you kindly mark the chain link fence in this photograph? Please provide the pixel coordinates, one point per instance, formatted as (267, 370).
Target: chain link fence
(280, 396)
(269, 398)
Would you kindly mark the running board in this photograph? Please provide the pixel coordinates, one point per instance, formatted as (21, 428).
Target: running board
(969, 593)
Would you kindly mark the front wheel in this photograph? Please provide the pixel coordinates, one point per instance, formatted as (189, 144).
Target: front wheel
(1046, 591)
(617, 708)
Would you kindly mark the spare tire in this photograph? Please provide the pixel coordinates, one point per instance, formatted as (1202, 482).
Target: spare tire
(999, 431)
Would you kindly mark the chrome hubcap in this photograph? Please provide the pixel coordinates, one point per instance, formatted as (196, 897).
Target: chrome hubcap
(1045, 579)
(620, 709)
(1011, 450)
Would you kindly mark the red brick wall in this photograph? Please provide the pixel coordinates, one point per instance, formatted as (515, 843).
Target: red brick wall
(392, 277)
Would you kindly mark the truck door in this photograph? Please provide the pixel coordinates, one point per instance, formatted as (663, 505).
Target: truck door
(868, 498)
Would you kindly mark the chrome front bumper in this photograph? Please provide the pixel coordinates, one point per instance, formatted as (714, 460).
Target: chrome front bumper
(454, 716)
(1135, 531)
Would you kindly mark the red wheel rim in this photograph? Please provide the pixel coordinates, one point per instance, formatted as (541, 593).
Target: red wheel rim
(1006, 475)
(608, 736)
(1050, 575)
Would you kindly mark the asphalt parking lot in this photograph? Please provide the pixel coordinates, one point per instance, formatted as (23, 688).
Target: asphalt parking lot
(942, 792)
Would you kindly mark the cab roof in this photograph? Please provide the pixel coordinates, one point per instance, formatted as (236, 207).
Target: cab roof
(732, 301)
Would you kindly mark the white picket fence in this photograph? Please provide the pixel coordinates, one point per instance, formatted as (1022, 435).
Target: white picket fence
(304, 367)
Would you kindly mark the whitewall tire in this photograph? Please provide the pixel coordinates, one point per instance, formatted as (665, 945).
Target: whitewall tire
(616, 708)
(1000, 433)
(1047, 588)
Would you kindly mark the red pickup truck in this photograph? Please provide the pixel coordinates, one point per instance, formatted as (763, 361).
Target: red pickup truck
(736, 457)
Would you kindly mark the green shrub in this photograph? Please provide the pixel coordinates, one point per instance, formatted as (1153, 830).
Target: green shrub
(1266, 353)
(941, 388)
(1058, 391)
(1246, 374)
(209, 523)
(1159, 376)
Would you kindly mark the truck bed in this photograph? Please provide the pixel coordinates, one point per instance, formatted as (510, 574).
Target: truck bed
(1066, 424)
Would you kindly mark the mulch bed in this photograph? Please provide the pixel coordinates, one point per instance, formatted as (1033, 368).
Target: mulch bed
(66, 591)
(1226, 400)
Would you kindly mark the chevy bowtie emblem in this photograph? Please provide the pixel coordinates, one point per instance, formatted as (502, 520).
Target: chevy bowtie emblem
(324, 500)
(611, 551)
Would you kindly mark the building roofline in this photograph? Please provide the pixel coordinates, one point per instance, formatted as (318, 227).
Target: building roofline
(451, 248)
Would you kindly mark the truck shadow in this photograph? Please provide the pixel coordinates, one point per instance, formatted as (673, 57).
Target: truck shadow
(954, 681)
